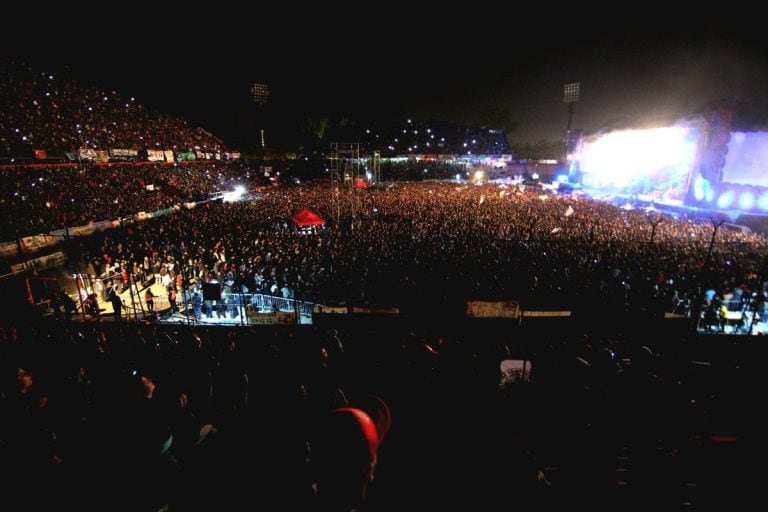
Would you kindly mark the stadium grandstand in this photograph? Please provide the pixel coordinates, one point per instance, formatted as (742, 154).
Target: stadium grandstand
(50, 117)
(192, 333)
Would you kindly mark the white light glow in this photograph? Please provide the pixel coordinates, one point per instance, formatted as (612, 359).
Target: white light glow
(746, 201)
(725, 200)
(640, 161)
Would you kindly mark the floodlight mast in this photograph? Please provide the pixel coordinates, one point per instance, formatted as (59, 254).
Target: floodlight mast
(571, 96)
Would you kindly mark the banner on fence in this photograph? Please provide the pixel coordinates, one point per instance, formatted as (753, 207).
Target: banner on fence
(339, 310)
(9, 249)
(502, 309)
(155, 155)
(123, 153)
(30, 244)
(159, 213)
(87, 154)
(53, 260)
(271, 318)
(82, 230)
(377, 311)
(546, 314)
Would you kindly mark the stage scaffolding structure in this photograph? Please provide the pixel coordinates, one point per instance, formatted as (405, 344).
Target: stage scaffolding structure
(345, 172)
(376, 167)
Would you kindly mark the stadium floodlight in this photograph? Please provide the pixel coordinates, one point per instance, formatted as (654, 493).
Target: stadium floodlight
(571, 96)
(571, 92)
(260, 94)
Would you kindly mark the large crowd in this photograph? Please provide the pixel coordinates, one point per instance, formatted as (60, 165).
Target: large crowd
(432, 246)
(56, 197)
(612, 410)
(141, 417)
(52, 112)
(404, 244)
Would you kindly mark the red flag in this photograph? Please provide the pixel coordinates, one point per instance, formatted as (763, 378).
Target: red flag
(40, 154)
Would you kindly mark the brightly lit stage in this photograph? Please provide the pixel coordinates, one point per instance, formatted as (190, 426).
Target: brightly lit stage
(696, 166)
(699, 168)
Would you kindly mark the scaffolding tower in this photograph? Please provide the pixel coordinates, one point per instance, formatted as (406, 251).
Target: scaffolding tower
(345, 172)
(376, 167)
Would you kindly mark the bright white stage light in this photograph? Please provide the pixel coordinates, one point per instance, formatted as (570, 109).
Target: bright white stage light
(699, 188)
(640, 161)
(236, 195)
(725, 199)
(746, 201)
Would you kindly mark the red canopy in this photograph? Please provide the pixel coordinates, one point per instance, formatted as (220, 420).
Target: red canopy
(361, 184)
(308, 218)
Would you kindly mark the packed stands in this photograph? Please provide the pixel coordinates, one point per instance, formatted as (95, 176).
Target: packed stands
(53, 114)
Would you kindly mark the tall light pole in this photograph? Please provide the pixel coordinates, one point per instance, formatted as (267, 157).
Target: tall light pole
(260, 95)
(571, 93)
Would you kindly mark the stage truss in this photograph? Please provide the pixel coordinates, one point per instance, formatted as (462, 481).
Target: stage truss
(345, 172)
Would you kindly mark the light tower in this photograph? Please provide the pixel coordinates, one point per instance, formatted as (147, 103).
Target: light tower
(259, 96)
(571, 94)
(376, 167)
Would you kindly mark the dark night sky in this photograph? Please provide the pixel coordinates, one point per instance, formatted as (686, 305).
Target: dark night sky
(455, 76)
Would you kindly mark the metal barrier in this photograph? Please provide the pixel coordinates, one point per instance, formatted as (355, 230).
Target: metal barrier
(242, 308)
(732, 316)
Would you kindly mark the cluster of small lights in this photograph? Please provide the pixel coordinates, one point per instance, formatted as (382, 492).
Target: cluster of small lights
(571, 92)
(432, 142)
(260, 94)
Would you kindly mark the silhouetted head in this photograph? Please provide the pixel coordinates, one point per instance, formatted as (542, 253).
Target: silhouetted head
(346, 456)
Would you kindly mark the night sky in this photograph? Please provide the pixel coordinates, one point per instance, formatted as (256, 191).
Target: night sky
(458, 76)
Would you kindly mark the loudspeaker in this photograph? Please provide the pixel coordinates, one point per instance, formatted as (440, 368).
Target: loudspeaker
(211, 291)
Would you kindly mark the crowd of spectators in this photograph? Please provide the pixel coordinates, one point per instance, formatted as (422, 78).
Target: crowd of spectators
(402, 244)
(56, 197)
(53, 112)
(142, 416)
(150, 417)
(432, 246)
